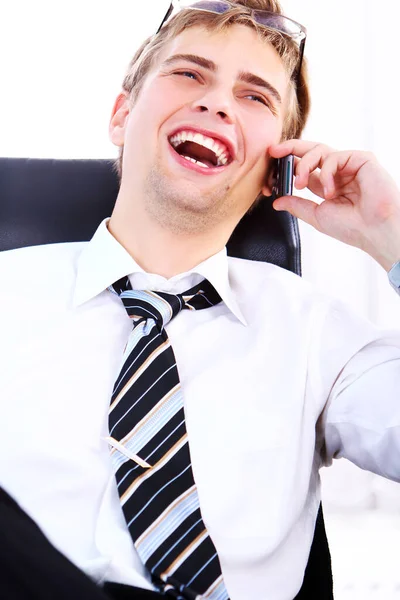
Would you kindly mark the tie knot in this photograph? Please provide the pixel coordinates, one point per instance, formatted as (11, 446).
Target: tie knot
(161, 306)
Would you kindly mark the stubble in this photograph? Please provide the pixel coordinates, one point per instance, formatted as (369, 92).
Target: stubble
(182, 209)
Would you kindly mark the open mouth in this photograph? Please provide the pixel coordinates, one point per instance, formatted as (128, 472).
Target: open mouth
(200, 149)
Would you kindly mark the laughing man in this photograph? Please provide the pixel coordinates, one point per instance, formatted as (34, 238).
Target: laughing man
(198, 479)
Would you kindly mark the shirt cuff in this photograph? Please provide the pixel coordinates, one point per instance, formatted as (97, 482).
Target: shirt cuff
(394, 277)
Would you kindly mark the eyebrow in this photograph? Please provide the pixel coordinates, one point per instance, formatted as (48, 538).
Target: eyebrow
(210, 65)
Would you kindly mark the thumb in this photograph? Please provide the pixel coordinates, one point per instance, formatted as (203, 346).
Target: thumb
(298, 207)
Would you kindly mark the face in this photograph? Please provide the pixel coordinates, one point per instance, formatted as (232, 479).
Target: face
(217, 98)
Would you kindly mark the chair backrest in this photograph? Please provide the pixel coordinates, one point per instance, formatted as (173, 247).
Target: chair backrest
(44, 201)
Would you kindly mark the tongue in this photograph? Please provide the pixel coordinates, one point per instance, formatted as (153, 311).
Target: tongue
(198, 152)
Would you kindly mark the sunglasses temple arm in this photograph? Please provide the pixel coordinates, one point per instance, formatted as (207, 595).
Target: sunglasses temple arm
(167, 14)
(298, 68)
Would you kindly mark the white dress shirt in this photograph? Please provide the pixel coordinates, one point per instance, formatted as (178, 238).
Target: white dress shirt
(277, 379)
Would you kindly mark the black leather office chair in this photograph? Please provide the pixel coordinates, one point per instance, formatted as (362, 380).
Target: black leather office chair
(45, 201)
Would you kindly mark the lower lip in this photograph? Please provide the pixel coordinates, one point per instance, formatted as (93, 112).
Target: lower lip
(188, 164)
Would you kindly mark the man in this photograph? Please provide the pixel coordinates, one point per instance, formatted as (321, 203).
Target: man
(274, 378)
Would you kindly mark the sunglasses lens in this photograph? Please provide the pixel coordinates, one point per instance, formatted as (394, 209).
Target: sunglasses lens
(274, 21)
(279, 23)
(215, 7)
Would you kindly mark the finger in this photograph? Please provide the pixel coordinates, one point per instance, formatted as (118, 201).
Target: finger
(329, 170)
(312, 160)
(340, 165)
(293, 146)
(299, 207)
(315, 185)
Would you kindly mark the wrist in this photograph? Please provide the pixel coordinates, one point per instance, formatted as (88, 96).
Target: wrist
(383, 244)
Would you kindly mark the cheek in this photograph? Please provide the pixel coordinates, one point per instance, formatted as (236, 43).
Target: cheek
(262, 133)
(164, 97)
(144, 122)
(153, 108)
(266, 129)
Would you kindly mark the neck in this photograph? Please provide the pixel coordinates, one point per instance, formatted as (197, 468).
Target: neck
(158, 249)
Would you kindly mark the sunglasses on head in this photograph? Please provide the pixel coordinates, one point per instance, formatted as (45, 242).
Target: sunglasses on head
(264, 18)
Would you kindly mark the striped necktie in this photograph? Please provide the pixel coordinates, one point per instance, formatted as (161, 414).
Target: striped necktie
(150, 449)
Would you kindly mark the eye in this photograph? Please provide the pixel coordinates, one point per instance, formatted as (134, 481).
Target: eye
(260, 99)
(264, 101)
(188, 74)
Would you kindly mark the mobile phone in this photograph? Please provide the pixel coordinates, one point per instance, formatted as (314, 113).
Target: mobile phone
(283, 177)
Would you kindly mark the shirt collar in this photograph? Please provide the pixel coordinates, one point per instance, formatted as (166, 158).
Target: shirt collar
(104, 260)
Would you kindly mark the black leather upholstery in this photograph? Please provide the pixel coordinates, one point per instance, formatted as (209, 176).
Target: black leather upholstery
(45, 201)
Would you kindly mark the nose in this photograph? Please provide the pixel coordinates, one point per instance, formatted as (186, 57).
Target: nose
(216, 102)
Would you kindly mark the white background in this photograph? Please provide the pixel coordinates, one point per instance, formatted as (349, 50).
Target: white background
(61, 68)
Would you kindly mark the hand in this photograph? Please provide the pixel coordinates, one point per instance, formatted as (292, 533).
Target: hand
(361, 202)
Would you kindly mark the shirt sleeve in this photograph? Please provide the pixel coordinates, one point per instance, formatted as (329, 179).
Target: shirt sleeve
(356, 369)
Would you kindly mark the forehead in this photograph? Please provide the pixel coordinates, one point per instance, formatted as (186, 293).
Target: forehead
(234, 49)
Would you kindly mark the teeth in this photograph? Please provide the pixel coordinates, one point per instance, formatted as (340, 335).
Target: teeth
(198, 138)
(197, 162)
(217, 147)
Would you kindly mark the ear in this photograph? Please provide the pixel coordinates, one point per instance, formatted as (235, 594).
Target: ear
(119, 119)
(270, 178)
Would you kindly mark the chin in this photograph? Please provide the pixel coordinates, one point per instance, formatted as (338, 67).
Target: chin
(182, 206)
(183, 193)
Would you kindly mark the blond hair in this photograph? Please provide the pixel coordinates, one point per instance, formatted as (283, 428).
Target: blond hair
(146, 56)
